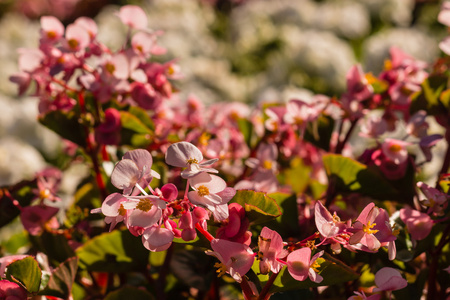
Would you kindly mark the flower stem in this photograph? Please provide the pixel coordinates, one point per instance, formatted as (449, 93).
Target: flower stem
(265, 291)
(204, 232)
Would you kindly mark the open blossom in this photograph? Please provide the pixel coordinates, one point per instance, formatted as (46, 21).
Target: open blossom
(301, 265)
(235, 259)
(133, 16)
(133, 170)
(157, 238)
(436, 200)
(363, 228)
(236, 229)
(328, 225)
(395, 150)
(186, 155)
(211, 191)
(270, 245)
(389, 279)
(418, 224)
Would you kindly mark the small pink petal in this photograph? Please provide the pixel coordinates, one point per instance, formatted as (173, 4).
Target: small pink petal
(157, 239)
(389, 279)
(133, 16)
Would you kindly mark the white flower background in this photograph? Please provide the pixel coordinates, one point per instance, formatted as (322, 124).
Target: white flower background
(263, 50)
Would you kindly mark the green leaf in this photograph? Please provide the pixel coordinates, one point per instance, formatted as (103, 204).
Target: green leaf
(287, 223)
(246, 128)
(319, 132)
(349, 176)
(15, 242)
(117, 251)
(259, 207)
(61, 280)
(55, 245)
(430, 97)
(129, 292)
(297, 176)
(143, 116)
(332, 270)
(25, 272)
(65, 124)
(134, 131)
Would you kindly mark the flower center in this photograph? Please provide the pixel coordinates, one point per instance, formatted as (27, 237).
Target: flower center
(51, 34)
(368, 228)
(202, 191)
(144, 205)
(267, 164)
(395, 148)
(191, 161)
(44, 194)
(73, 43)
(110, 68)
(122, 211)
(221, 269)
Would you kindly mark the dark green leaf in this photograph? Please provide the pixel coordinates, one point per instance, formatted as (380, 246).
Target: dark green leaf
(61, 280)
(21, 192)
(246, 128)
(129, 292)
(55, 245)
(332, 270)
(349, 175)
(259, 207)
(319, 133)
(65, 124)
(287, 223)
(25, 272)
(297, 176)
(116, 251)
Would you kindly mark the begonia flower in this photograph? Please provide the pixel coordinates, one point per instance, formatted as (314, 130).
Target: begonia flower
(133, 16)
(87, 24)
(270, 245)
(419, 224)
(236, 229)
(389, 279)
(51, 28)
(328, 225)
(211, 191)
(435, 200)
(395, 150)
(301, 265)
(235, 259)
(157, 238)
(385, 233)
(146, 210)
(12, 291)
(77, 38)
(266, 158)
(186, 155)
(133, 170)
(362, 296)
(363, 228)
(108, 132)
(39, 217)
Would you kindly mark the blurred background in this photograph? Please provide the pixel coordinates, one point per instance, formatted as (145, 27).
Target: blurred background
(228, 50)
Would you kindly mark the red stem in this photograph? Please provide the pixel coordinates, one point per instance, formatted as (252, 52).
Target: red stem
(264, 295)
(204, 232)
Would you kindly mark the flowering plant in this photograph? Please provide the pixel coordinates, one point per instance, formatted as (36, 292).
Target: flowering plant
(309, 197)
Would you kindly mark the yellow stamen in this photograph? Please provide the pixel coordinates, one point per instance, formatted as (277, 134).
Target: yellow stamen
(204, 138)
(202, 191)
(395, 148)
(51, 34)
(387, 65)
(267, 164)
(110, 68)
(73, 43)
(311, 244)
(221, 269)
(368, 228)
(122, 211)
(191, 161)
(44, 194)
(144, 205)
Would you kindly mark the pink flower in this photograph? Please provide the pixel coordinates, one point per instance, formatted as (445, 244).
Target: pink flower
(133, 170)
(186, 155)
(236, 228)
(77, 38)
(87, 24)
(146, 210)
(36, 218)
(270, 245)
(211, 191)
(156, 238)
(328, 225)
(266, 158)
(133, 16)
(436, 200)
(389, 279)
(301, 266)
(362, 296)
(52, 28)
(363, 232)
(395, 150)
(418, 224)
(386, 235)
(235, 259)
(11, 291)
(108, 132)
